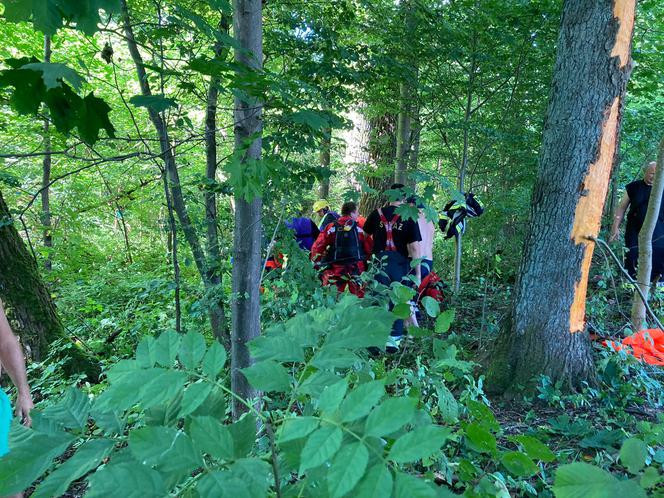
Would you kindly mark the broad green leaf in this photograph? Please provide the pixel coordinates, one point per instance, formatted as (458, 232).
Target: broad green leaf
(192, 350)
(328, 358)
(296, 428)
(29, 459)
(650, 478)
(54, 73)
(582, 480)
(447, 405)
(166, 348)
(431, 306)
(361, 400)
(315, 384)
(419, 443)
(165, 447)
(214, 360)
(72, 411)
(374, 322)
(211, 436)
(243, 433)
(480, 439)
(534, 448)
(321, 446)
(87, 457)
(194, 396)
(407, 486)
(377, 482)
(126, 480)
(444, 321)
(402, 310)
(268, 376)
(162, 389)
(331, 397)
(157, 103)
(214, 405)
(146, 355)
(519, 464)
(222, 484)
(347, 469)
(254, 473)
(180, 460)
(17, 10)
(633, 455)
(281, 347)
(92, 118)
(390, 416)
(481, 413)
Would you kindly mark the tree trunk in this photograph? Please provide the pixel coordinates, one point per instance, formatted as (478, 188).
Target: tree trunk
(46, 176)
(382, 153)
(248, 30)
(645, 245)
(545, 333)
(416, 129)
(324, 159)
(29, 302)
(217, 313)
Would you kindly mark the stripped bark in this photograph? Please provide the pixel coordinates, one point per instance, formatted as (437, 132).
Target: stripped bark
(638, 317)
(545, 333)
(248, 30)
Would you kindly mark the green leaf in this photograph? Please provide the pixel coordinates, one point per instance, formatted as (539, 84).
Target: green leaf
(296, 428)
(534, 448)
(581, 480)
(633, 455)
(212, 437)
(407, 486)
(157, 103)
(162, 389)
(194, 396)
(29, 459)
(519, 464)
(268, 376)
(214, 360)
(17, 10)
(480, 413)
(431, 306)
(332, 396)
(347, 469)
(87, 457)
(377, 482)
(222, 484)
(328, 358)
(315, 384)
(72, 412)
(361, 400)
(417, 444)
(93, 117)
(447, 405)
(192, 350)
(374, 322)
(650, 478)
(254, 473)
(146, 354)
(126, 480)
(390, 416)
(166, 447)
(480, 439)
(166, 348)
(55, 73)
(444, 321)
(321, 446)
(214, 405)
(316, 120)
(243, 433)
(402, 310)
(280, 347)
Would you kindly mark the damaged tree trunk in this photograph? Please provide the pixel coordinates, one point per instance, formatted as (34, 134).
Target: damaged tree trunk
(638, 317)
(247, 265)
(545, 333)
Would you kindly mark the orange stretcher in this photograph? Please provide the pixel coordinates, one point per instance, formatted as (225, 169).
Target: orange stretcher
(646, 345)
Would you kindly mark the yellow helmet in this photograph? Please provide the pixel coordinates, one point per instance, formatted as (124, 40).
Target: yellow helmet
(320, 204)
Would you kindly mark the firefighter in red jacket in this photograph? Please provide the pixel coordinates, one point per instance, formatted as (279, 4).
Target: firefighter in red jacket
(341, 250)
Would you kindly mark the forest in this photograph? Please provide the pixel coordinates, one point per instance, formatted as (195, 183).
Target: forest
(498, 333)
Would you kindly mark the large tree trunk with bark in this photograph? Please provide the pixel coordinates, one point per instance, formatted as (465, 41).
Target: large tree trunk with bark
(247, 265)
(546, 333)
(645, 245)
(29, 301)
(382, 153)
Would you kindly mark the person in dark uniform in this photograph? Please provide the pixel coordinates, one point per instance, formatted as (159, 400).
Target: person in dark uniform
(636, 199)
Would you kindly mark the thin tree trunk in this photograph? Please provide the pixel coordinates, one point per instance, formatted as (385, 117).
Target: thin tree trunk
(217, 313)
(46, 177)
(29, 301)
(382, 153)
(416, 129)
(546, 333)
(248, 30)
(173, 247)
(645, 244)
(324, 161)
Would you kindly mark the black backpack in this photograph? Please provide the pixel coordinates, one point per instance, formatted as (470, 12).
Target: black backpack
(347, 247)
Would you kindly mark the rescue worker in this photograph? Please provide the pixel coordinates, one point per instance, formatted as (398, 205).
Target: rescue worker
(341, 249)
(306, 231)
(396, 242)
(322, 209)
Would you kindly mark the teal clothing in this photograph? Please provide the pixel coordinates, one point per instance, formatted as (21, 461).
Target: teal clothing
(5, 422)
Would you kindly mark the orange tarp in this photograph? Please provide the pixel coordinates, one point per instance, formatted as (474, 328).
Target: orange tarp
(647, 345)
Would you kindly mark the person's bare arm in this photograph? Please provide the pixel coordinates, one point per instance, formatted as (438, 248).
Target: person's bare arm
(414, 253)
(618, 218)
(11, 358)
